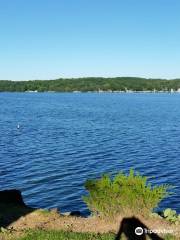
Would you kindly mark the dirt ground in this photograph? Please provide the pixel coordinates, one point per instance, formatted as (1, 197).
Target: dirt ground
(52, 220)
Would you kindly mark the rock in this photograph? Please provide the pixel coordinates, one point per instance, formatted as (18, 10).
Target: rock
(54, 210)
(11, 196)
(66, 213)
(3, 230)
(73, 213)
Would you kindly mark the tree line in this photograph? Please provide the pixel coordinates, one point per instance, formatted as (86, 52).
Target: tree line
(91, 84)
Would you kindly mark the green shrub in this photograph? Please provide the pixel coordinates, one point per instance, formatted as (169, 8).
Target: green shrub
(171, 215)
(112, 196)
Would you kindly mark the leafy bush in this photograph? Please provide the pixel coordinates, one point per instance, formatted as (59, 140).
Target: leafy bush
(171, 215)
(123, 193)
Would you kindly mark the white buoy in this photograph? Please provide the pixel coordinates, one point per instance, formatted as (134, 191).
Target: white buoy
(18, 126)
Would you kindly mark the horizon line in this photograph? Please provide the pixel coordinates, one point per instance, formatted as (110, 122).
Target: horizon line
(68, 78)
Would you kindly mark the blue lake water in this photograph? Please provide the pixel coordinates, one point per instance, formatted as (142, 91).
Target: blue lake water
(66, 138)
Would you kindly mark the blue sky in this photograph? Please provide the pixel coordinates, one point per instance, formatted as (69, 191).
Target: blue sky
(46, 39)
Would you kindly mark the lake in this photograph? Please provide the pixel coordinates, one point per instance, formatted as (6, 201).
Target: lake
(65, 138)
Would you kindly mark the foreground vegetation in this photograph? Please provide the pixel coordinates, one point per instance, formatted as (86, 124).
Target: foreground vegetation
(119, 204)
(91, 84)
(124, 193)
(61, 235)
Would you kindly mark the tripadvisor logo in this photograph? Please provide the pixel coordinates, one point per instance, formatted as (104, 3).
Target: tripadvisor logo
(139, 231)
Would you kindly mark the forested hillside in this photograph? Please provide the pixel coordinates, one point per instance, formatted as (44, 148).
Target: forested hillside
(91, 84)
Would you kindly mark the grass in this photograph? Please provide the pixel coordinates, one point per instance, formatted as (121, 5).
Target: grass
(62, 235)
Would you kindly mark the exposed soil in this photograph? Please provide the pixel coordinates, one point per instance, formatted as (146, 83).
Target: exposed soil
(52, 220)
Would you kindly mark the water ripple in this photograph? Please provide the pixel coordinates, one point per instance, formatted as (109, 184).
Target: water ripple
(65, 139)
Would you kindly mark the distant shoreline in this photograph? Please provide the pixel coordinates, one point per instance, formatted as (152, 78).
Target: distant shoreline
(100, 85)
(99, 92)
